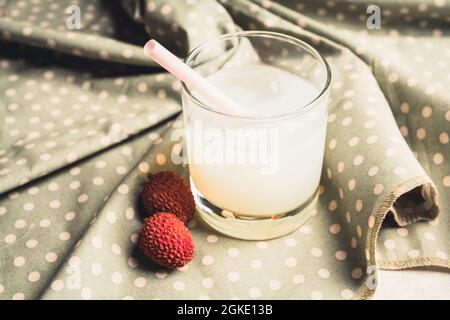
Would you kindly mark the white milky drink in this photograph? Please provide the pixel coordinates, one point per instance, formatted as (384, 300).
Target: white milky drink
(264, 164)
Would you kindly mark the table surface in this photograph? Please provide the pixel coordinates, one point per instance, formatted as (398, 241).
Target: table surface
(413, 284)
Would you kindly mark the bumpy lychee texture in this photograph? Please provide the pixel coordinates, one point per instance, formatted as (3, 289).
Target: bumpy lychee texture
(166, 241)
(168, 192)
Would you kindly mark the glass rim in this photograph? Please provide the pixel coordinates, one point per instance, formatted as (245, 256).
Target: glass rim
(267, 34)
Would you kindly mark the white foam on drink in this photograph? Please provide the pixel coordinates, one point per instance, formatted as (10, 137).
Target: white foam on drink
(264, 90)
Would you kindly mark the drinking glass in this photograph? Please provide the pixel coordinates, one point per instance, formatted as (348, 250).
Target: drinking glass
(255, 172)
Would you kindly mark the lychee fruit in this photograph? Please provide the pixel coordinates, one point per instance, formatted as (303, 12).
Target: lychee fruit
(166, 191)
(166, 240)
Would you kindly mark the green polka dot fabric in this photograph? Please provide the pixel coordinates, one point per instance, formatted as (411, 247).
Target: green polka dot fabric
(85, 116)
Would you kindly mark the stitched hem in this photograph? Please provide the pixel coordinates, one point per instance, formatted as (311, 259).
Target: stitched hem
(412, 263)
(379, 215)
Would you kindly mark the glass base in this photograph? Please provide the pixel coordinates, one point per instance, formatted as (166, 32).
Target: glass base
(248, 228)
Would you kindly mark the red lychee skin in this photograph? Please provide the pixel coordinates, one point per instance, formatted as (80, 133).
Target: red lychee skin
(166, 240)
(166, 191)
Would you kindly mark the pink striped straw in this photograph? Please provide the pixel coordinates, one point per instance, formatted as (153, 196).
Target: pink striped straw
(191, 78)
